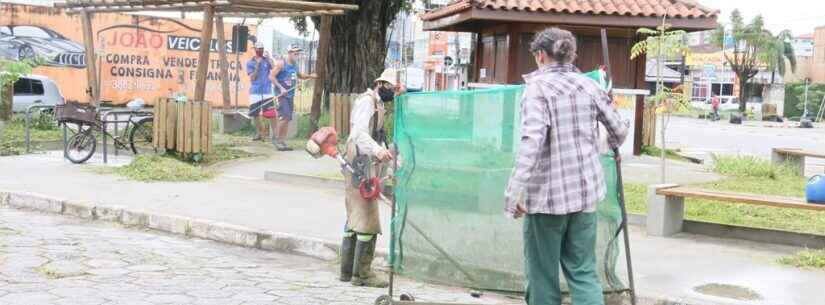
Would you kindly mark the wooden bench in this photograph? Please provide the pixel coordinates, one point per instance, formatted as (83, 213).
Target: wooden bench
(795, 157)
(666, 205)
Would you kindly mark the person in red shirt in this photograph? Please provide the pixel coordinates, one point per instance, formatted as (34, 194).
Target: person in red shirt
(714, 104)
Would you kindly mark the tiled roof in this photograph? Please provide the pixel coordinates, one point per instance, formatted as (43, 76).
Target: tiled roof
(635, 8)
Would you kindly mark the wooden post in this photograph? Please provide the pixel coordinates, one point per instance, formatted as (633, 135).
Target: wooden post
(638, 124)
(203, 55)
(93, 89)
(224, 63)
(320, 71)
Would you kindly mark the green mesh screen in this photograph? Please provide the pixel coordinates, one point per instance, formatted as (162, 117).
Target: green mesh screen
(458, 150)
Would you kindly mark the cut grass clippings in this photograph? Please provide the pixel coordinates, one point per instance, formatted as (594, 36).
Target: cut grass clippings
(744, 175)
(806, 259)
(157, 168)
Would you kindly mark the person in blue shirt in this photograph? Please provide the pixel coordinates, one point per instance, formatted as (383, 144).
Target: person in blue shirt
(259, 69)
(286, 79)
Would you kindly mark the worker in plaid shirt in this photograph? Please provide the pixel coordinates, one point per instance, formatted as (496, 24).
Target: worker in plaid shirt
(558, 180)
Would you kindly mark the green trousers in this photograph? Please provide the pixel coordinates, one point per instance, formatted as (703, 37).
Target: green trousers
(566, 240)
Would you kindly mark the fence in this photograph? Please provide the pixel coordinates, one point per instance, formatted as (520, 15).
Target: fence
(340, 105)
(184, 127)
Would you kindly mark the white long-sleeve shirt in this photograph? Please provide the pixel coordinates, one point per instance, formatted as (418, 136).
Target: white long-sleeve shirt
(362, 112)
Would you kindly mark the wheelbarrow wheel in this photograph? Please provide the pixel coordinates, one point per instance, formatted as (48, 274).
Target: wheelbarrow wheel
(407, 297)
(383, 300)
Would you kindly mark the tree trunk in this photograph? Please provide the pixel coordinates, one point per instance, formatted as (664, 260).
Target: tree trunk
(321, 72)
(358, 45)
(664, 147)
(743, 93)
(6, 96)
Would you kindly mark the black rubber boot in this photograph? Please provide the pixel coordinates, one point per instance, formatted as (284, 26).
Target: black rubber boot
(363, 275)
(347, 257)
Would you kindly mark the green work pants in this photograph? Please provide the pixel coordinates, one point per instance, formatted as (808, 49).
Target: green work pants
(566, 240)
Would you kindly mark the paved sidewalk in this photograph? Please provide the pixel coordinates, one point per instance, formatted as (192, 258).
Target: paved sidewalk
(54, 260)
(666, 267)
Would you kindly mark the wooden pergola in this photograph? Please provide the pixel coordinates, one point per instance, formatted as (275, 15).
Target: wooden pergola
(213, 13)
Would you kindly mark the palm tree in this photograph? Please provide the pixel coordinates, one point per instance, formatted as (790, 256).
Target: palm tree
(777, 51)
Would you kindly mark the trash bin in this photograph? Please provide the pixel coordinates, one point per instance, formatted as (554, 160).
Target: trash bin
(815, 190)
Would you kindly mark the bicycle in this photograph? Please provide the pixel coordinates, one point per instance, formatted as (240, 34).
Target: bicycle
(137, 137)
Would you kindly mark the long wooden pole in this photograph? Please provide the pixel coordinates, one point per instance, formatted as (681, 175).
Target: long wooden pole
(224, 63)
(93, 87)
(203, 56)
(320, 71)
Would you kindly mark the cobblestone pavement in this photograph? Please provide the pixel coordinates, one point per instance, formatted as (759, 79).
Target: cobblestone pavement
(46, 259)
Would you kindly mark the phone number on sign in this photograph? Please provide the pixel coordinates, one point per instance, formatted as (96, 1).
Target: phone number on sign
(131, 85)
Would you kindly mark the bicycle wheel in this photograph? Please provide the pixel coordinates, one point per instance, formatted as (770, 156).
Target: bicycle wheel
(141, 136)
(81, 146)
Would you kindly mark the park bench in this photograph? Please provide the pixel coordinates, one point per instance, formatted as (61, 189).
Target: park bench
(666, 205)
(794, 157)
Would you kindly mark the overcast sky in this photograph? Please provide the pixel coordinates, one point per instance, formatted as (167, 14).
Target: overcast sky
(799, 16)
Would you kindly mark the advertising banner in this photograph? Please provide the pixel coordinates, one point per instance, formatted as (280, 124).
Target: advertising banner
(137, 56)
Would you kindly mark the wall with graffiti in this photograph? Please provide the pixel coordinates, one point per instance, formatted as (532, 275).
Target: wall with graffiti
(138, 56)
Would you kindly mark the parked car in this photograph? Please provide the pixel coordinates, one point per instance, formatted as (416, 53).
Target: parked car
(35, 89)
(19, 42)
(728, 102)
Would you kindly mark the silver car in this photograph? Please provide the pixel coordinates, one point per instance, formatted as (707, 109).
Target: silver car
(35, 90)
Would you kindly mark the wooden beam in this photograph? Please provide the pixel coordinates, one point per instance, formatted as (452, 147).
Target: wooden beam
(93, 87)
(320, 71)
(123, 7)
(300, 5)
(753, 199)
(224, 63)
(278, 14)
(203, 55)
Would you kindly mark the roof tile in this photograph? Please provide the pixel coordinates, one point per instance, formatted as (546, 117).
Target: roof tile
(639, 8)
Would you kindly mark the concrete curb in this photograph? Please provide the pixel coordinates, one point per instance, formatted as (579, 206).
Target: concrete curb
(179, 225)
(214, 230)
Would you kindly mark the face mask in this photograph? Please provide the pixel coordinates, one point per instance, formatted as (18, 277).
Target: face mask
(259, 52)
(387, 95)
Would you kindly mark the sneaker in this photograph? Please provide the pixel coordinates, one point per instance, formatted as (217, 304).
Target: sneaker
(284, 146)
(257, 138)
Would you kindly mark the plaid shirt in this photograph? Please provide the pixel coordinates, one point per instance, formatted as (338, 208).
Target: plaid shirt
(557, 168)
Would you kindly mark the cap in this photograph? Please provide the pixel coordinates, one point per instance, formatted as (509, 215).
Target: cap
(389, 75)
(295, 48)
(259, 45)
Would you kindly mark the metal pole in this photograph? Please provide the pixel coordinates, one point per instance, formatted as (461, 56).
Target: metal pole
(116, 134)
(28, 132)
(805, 107)
(103, 136)
(65, 140)
(631, 281)
(237, 68)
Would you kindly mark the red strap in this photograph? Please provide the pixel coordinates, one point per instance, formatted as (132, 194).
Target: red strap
(375, 188)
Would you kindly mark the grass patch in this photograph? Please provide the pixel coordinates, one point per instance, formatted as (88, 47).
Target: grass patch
(13, 136)
(657, 152)
(749, 166)
(744, 175)
(156, 168)
(806, 259)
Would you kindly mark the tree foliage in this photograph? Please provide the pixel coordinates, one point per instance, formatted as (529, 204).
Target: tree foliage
(777, 52)
(358, 45)
(663, 42)
(10, 72)
(750, 42)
